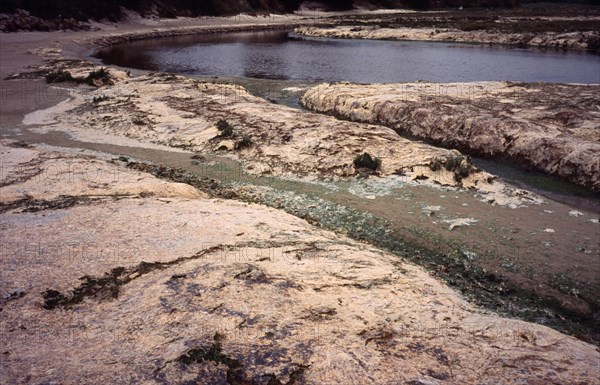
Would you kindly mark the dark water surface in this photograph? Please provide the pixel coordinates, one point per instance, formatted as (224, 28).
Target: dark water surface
(283, 56)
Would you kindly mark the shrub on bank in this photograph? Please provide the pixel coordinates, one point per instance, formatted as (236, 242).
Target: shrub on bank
(366, 161)
(244, 142)
(459, 165)
(225, 128)
(98, 77)
(59, 76)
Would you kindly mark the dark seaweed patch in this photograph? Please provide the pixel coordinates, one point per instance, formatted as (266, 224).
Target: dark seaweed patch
(108, 286)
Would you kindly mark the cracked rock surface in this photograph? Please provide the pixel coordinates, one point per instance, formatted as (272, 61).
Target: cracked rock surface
(174, 287)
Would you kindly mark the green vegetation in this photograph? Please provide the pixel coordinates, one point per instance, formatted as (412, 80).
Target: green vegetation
(100, 75)
(436, 164)
(244, 142)
(458, 164)
(227, 131)
(225, 128)
(59, 77)
(366, 161)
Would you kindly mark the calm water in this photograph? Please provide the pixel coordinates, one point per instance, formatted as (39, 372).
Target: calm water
(283, 56)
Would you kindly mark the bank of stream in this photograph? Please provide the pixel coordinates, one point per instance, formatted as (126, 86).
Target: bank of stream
(503, 259)
(493, 263)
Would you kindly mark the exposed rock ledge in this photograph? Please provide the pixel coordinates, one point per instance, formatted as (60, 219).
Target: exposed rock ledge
(570, 40)
(268, 138)
(172, 287)
(551, 127)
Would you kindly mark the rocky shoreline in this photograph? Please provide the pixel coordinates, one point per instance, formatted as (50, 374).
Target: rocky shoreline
(566, 40)
(107, 40)
(270, 139)
(549, 26)
(549, 127)
(265, 298)
(128, 277)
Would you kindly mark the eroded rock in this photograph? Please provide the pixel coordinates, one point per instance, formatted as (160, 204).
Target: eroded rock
(549, 127)
(268, 138)
(203, 290)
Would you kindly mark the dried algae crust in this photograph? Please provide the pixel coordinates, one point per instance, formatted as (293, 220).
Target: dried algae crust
(191, 289)
(550, 127)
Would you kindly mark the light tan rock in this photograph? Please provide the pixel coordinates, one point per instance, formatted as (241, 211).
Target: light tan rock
(550, 127)
(182, 112)
(569, 40)
(46, 175)
(237, 291)
(226, 145)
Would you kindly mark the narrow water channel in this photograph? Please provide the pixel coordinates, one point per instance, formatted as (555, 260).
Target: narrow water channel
(394, 214)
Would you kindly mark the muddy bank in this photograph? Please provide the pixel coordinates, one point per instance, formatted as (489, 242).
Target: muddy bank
(550, 127)
(567, 40)
(171, 286)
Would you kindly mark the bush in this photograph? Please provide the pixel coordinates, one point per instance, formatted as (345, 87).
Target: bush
(436, 164)
(225, 128)
(366, 161)
(244, 142)
(59, 77)
(459, 165)
(98, 77)
(453, 163)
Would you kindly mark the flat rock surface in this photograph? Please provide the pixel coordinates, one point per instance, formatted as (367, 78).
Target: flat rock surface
(157, 290)
(43, 175)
